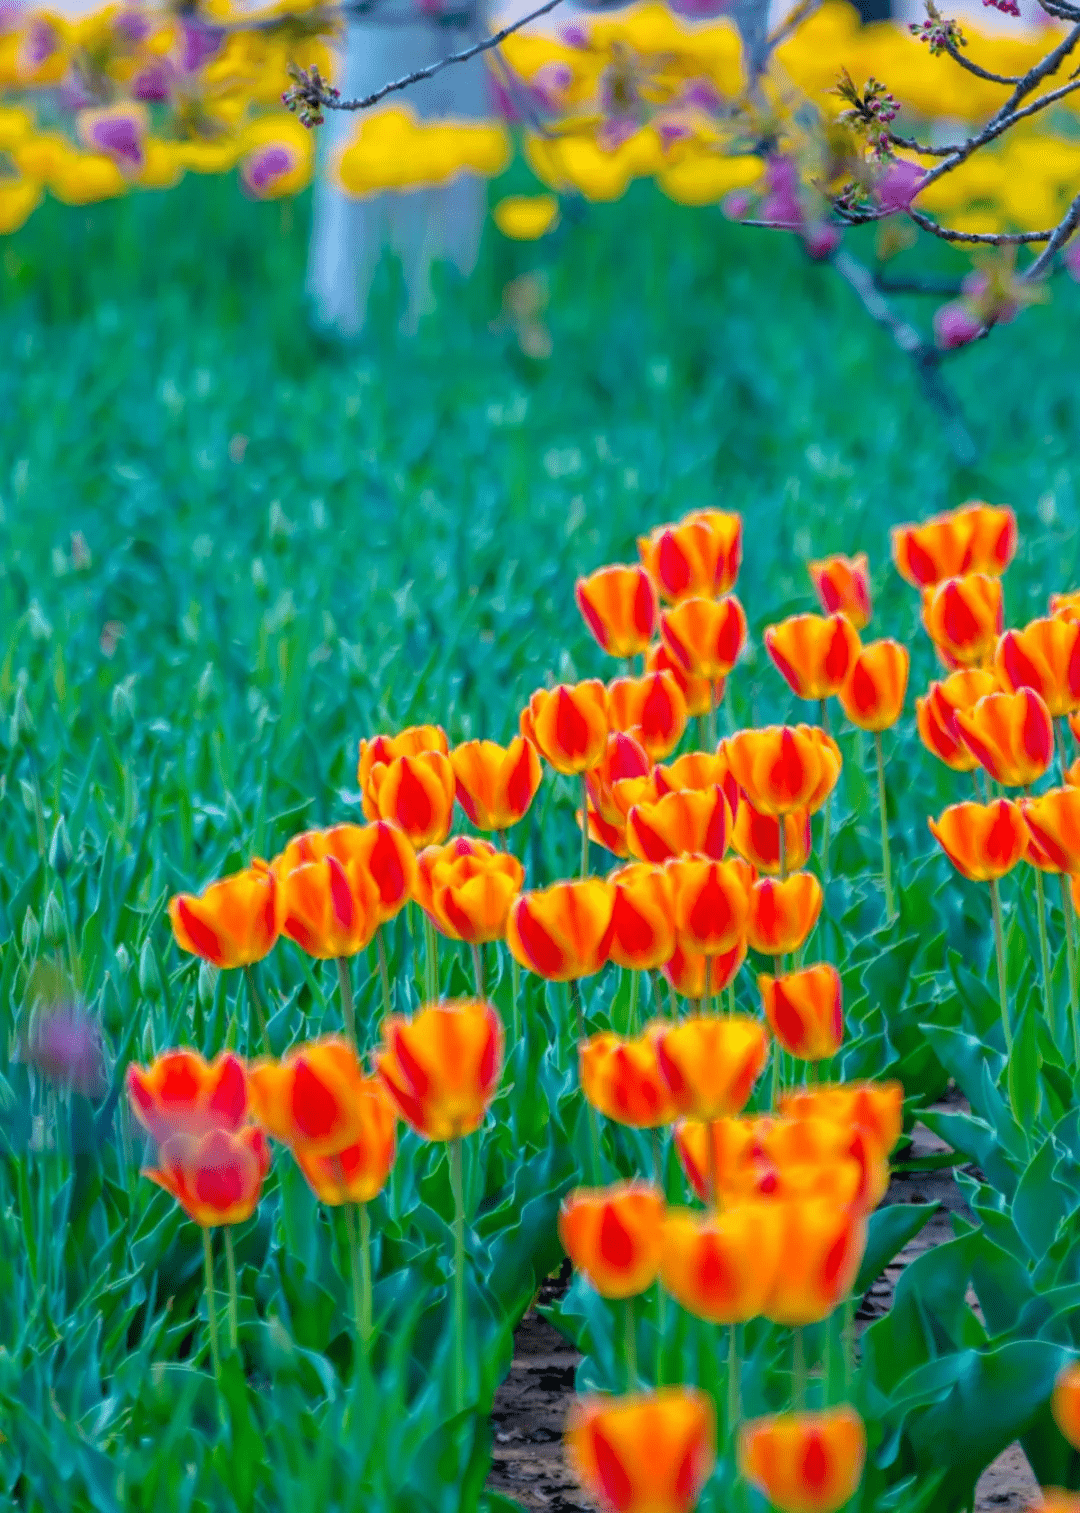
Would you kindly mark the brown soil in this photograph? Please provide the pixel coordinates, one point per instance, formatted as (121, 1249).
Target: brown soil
(531, 1405)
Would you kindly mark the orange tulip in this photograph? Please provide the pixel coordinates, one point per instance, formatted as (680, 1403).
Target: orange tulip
(964, 617)
(329, 908)
(381, 750)
(805, 1010)
(976, 538)
(851, 1158)
(433, 857)
(359, 1172)
(232, 923)
(643, 918)
(1065, 1402)
(471, 895)
(831, 763)
(732, 1140)
(442, 1066)
(873, 695)
(649, 1452)
(611, 836)
(564, 931)
(842, 585)
(697, 769)
(387, 854)
(1045, 657)
(982, 841)
(778, 768)
(840, 1181)
(568, 724)
(180, 1091)
(1066, 606)
(699, 557)
(813, 653)
(705, 636)
(936, 714)
(1011, 735)
(622, 778)
(495, 784)
(613, 1235)
(693, 821)
(805, 1462)
(217, 1176)
(711, 1063)
(618, 605)
(695, 975)
(651, 708)
(822, 1244)
(712, 900)
(993, 536)
(756, 838)
(783, 914)
(701, 694)
(876, 1108)
(721, 1267)
(417, 793)
(310, 1098)
(622, 1078)
(1054, 821)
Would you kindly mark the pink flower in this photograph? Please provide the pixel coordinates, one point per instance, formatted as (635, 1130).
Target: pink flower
(954, 326)
(821, 240)
(899, 185)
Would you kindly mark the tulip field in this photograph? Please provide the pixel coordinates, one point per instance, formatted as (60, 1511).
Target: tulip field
(473, 820)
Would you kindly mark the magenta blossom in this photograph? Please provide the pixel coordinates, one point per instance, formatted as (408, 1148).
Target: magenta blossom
(118, 134)
(198, 44)
(821, 240)
(954, 326)
(64, 1045)
(899, 185)
(264, 168)
(153, 83)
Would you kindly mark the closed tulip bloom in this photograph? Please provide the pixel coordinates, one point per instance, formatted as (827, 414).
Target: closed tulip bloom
(792, 1143)
(643, 919)
(1045, 657)
(976, 538)
(756, 838)
(622, 778)
(495, 784)
(357, 1173)
(813, 653)
(733, 1141)
(721, 1267)
(1054, 820)
(442, 1066)
(1011, 735)
(613, 1235)
(695, 975)
(783, 913)
(805, 1462)
(705, 636)
(309, 1099)
(648, 1452)
(232, 923)
(618, 604)
(621, 1077)
(712, 900)
(993, 536)
(217, 1176)
(823, 1247)
(1065, 1402)
(700, 694)
(564, 931)
(386, 853)
(699, 557)
(612, 836)
(936, 714)
(805, 1010)
(982, 841)
(1066, 606)
(179, 1090)
(711, 1063)
(417, 794)
(568, 724)
(472, 895)
(381, 750)
(876, 1108)
(329, 909)
(698, 769)
(964, 618)
(651, 708)
(873, 695)
(778, 768)
(434, 857)
(693, 821)
(1056, 1500)
(839, 1181)
(831, 763)
(842, 585)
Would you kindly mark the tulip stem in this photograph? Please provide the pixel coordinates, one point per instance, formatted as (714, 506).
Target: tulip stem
(713, 1193)
(733, 1386)
(384, 970)
(630, 1346)
(230, 1268)
(360, 1271)
(459, 1272)
(515, 992)
(573, 988)
(731, 996)
(798, 1370)
(1044, 952)
(1059, 732)
(661, 1296)
(999, 946)
(632, 1017)
(702, 733)
(348, 1007)
(1070, 958)
(584, 826)
(673, 1002)
(211, 1307)
(827, 812)
(849, 1343)
(478, 969)
(258, 1014)
(886, 857)
(826, 1362)
(431, 960)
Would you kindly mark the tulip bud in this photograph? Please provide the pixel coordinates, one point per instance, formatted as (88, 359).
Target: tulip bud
(60, 850)
(208, 976)
(29, 797)
(31, 933)
(53, 931)
(22, 721)
(122, 704)
(123, 959)
(150, 984)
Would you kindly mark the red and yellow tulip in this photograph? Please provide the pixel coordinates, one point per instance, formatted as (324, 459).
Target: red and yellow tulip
(643, 918)
(805, 1462)
(805, 1010)
(691, 821)
(216, 1176)
(1010, 735)
(722, 1266)
(180, 1091)
(964, 618)
(779, 768)
(648, 1452)
(873, 695)
(442, 1066)
(842, 585)
(614, 1236)
(700, 694)
(1054, 822)
(936, 714)
(705, 636)
(783, 914)
(232, 923)
(651, 708)
(756, 838)
(309, 1099)
(622, 1078)
(564, 931)
(568, 724)
(711, 1063)
(495, 784)
(698, 558)
(697, 976)
(618, 604)
(1045, 657)
(983, 841)
(416, 793)
(813, 653)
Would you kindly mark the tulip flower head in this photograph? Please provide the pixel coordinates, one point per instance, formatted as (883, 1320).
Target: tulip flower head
(697, 770)
(982, 841)
(823, 1244)
(780, 769)
(936, 714)
(695, 975)
(216, 1176)
(813, 653)
(1045, 657)
(875, 1108)
(613, 1235)
(651, 708)
(357, 1173)
(643, 918)
(442, 1066)
(618, 604)
(648, 1452)
(977, 538)
(873, 695)
(181, 1092)
(416, 793)
(622, 1078)
(721, 1267)
(705, 636)
(756, 838)
(309, 1099)
(964, 618)
(783, 914)
(469, 893)
(701, 694)
(1053, 820)
(568, 724)
(805, 1010)
(805, 1462)
(712, 901)
(565, 931)
(842, 585)
(330, 907)
(1011, 735)
(700, 557)
(232, 923)
(622, 778)
(710, 1063)
(381, 750)
(1065, 1402)
(692, 821)
(611, 835)
(495, 784)
(1066, 606)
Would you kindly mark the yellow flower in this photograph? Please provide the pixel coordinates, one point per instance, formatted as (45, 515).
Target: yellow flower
(526, 217)
(703, 178)
(15, 126)
(393, 150)
(19, 198)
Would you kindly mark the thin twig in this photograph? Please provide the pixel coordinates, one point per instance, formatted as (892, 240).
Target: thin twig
(925, 285)
(1065, 228)
(923, 148)
(994, 128)
(978, 238)
(973, 68)
(795, 18)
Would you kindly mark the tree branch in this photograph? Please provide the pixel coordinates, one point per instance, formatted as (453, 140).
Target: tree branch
(979, 238)
(973, 68)
(1064, 230)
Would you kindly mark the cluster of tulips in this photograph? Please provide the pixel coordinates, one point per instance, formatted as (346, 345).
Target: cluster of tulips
(785, 1195)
